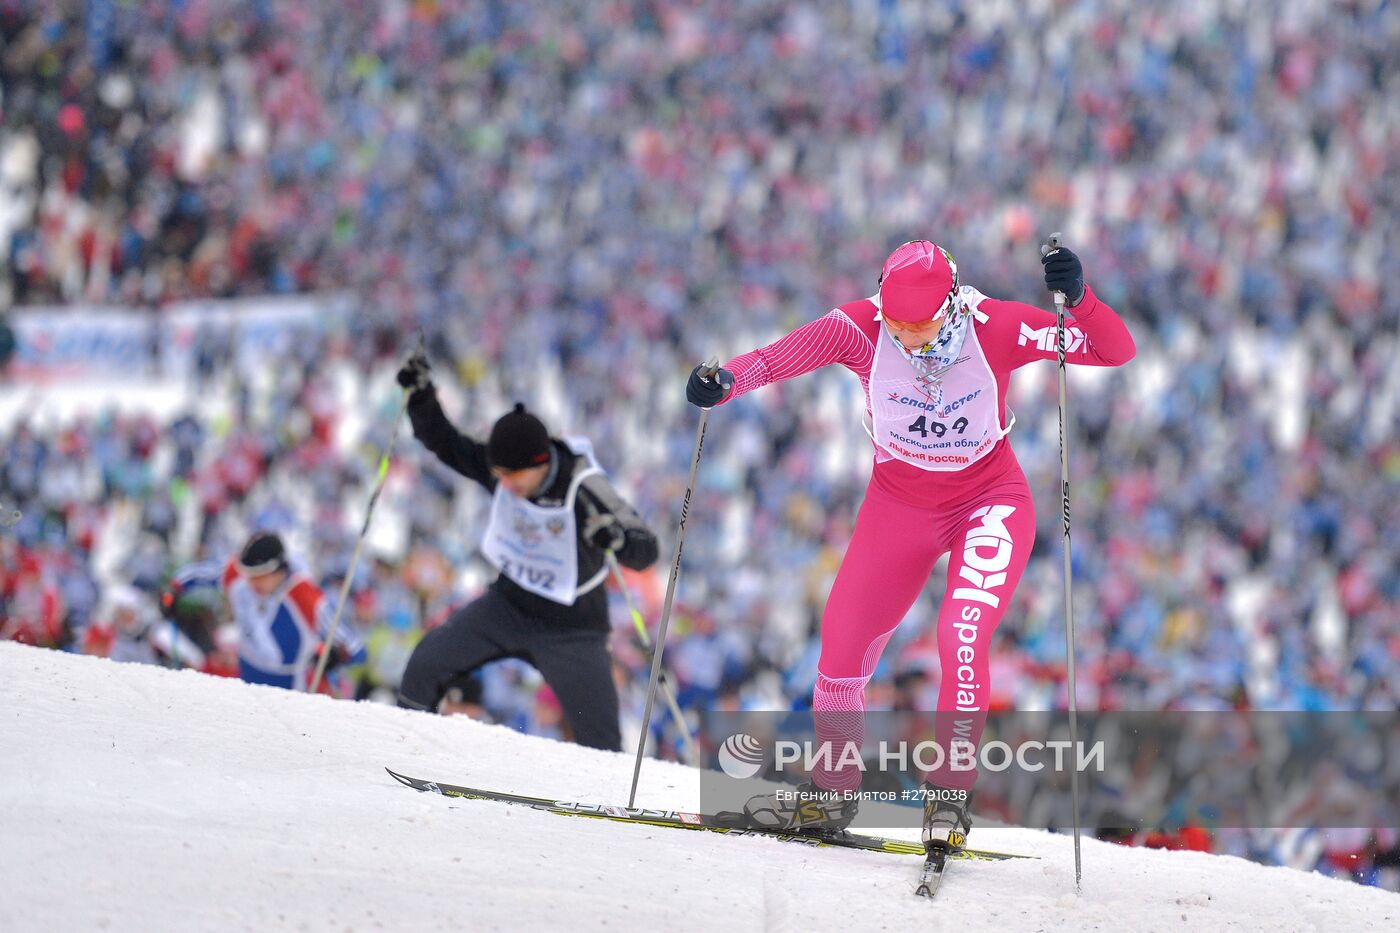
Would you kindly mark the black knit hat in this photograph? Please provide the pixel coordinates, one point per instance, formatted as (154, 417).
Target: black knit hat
(262, 554)
(518, 441)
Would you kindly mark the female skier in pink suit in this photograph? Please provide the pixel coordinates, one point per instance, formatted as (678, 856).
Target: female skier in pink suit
(935, 358)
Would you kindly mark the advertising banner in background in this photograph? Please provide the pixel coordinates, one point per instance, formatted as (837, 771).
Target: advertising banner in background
(83, 341)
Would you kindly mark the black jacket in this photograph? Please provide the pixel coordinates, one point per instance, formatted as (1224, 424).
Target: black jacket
(595, 495)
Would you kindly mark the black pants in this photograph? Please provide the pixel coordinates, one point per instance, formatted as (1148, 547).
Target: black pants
(574, 662)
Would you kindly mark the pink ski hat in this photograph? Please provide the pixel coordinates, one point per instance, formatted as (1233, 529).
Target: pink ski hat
(917, 282)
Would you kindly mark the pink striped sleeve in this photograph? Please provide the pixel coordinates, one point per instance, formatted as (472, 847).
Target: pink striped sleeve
(834, 338)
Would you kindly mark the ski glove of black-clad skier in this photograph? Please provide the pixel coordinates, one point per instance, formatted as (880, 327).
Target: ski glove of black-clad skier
(605, 532)
(1064, 273)
(705, 390)
(414, 374)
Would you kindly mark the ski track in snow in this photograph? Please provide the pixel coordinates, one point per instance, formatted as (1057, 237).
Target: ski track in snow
(136, 798)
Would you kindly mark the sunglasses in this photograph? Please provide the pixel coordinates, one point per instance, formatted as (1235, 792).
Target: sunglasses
(937, 318)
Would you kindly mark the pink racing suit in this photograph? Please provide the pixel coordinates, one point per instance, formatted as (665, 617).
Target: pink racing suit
(947, 481)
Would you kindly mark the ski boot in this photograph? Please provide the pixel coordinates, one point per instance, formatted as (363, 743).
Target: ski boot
(804, 809)
(947, 819)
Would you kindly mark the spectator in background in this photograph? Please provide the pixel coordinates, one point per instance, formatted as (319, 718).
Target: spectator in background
(130, 630)
(388, 648)
(464, 699)
(8, 343)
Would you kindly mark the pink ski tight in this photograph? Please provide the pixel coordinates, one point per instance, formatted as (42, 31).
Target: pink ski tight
(891, 554)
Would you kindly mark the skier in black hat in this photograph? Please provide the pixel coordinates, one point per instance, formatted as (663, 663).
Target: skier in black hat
(553, 517)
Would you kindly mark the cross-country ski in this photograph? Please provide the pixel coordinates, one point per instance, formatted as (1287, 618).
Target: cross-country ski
(682, 820)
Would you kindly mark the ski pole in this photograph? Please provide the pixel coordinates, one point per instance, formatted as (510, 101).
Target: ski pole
(1051, 246)
(691, 753)
(359, 543)
(670, 594)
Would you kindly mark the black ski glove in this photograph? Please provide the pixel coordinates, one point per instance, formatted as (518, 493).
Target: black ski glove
(605, 532)
(1064, 273)
(414, 374)
(706, 391)
(339, 657)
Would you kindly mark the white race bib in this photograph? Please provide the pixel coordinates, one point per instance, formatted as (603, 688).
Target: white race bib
(537, 546)
(946, 426)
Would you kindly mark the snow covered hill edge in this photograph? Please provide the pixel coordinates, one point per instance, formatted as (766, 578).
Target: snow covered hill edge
(136, 798)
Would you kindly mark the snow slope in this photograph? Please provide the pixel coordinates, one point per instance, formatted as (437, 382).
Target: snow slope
(136, 798)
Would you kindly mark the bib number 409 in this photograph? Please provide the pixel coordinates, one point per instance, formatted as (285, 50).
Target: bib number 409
(924, 426)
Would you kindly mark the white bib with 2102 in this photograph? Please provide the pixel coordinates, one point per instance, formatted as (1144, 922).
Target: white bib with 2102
(537, 546)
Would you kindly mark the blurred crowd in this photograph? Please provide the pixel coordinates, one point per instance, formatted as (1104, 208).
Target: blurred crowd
(577, 201)
(1223, 782)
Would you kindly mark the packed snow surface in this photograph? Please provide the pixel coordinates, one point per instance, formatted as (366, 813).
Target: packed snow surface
(136, 798)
